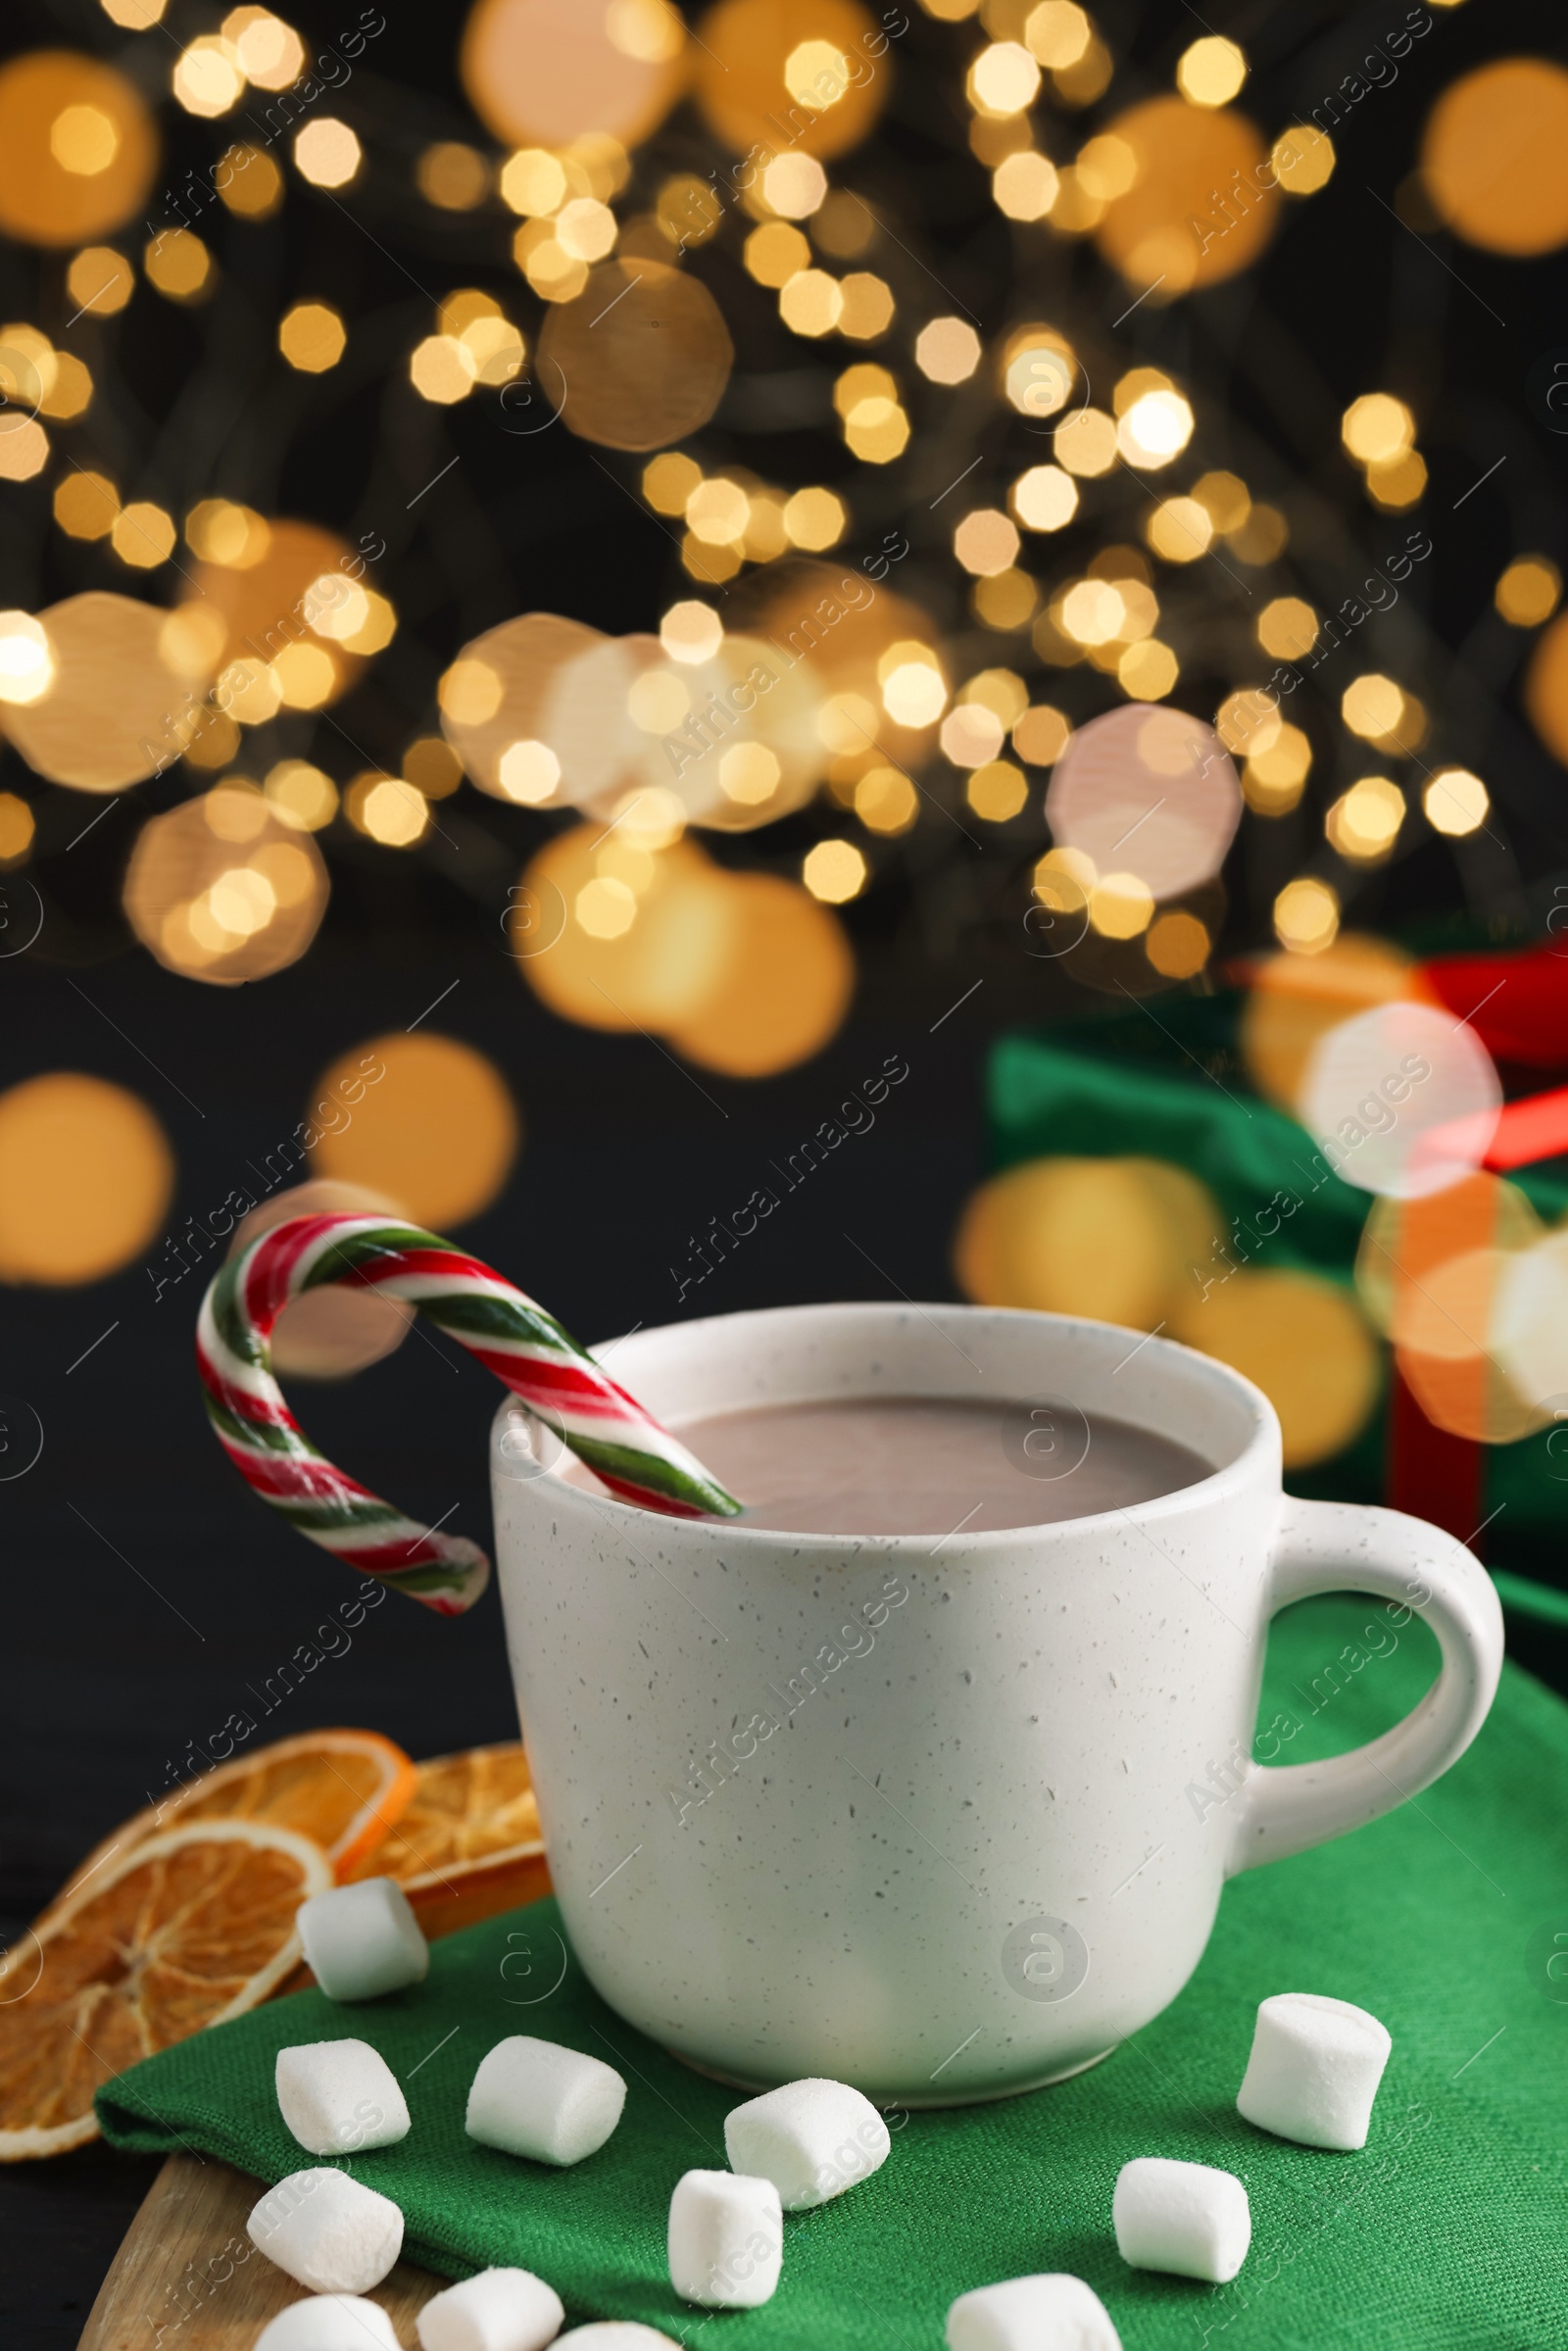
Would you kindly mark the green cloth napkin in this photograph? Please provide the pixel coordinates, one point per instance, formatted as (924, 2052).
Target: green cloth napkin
(1450, 2228)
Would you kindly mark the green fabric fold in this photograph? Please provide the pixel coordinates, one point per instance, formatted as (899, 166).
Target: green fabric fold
(1448, 2229)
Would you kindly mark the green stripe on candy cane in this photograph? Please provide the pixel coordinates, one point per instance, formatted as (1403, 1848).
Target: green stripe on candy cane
(527, 1349)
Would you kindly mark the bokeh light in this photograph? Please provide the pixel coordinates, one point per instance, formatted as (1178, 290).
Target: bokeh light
(546, 72)
(1402, 1098)
(79, 150)
(1295, 1000)
(1304, 1342)
(86, 1179)
(498, 705)
(763, 63)
(1165, 233)
(1151, 790)
(649, 369)
(1112, 1238)
(437, 1131)
(784, 985)
(1495, 158)
(223, 889)
(104, 720)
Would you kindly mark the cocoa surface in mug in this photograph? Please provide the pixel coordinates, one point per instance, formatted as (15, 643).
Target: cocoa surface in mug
(922, 1465)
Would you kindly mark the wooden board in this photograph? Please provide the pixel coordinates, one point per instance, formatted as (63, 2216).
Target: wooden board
(187, 2276)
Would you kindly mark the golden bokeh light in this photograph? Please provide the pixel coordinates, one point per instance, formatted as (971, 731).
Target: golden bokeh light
(1288, 628)
(770, 74)
(1025, 185)
(1172, 229)
(103, 720)
(437, 1130)
(79, 150)
(1377, 710)
(1211, 71)
(1273, 778)
(647, 370)
(497, 701)
(1456, 802)
(100, 280)
(835, 872)
(179, 266)
(1527, 592)
(548, 73)
(1178, 946)
(326, 153)
(1111, 1238)
(387, 808)
(451, 176)
(432, 766)
(142, 535)
(1305, 1341)
(784, 985)
(23, 447)
(16, 828)
(222, 889)
(1377, 428)
(208, 78)
(1363, 824)
(1306, 916)
(986, 542)
(650, 953)
(220, 531)
(1546, 691)
(1446, 1274)
(270, 601)
(249, 183)
(269, 53)
(86, 1179)
(997, 791)
(312, 337)
(301, 796)
(1303, 159)
(1003, 79)
(1494, 157)
(885, 801)
(1041, 735)
(948, 350)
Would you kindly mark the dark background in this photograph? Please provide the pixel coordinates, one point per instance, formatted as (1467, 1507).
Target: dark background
(134, 1634)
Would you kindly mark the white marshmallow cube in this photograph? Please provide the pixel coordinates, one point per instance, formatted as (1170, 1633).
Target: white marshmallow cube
(339, 2097)
(726, 2239)
(1049, 2313)
(1314, 2070)
(329, 2323)
(812, 2138)
(500, 2310)
(328, 2230)
(617, 2334)
(533, 2097)
(363, 1940)
(1185, 2218)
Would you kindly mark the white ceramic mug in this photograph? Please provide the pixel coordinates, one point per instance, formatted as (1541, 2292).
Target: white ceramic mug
(945, 1817)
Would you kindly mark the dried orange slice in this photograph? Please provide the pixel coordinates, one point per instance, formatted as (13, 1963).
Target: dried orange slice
(185, 1931)
(343, 1789)
(469, 1844)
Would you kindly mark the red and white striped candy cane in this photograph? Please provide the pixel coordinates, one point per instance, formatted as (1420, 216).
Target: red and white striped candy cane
(523, 1344)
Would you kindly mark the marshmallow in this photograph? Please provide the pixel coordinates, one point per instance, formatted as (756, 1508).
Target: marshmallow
(726, 2239)
(1186, 2218)
(337, 2096)
(1049, 2313)
(533, 2097)
(1314, 2070)
(327, 2231)
(500, 2310)
(363, 1940)
(618, 2335)
(329, 2323)
(812, 2139)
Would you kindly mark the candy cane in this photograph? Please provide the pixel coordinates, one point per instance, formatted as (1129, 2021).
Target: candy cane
(525, 1346)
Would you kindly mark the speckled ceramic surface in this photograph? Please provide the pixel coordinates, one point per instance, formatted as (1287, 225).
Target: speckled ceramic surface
(935, 1816)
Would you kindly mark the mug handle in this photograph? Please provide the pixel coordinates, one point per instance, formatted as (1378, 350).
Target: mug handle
(1344, 1546)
